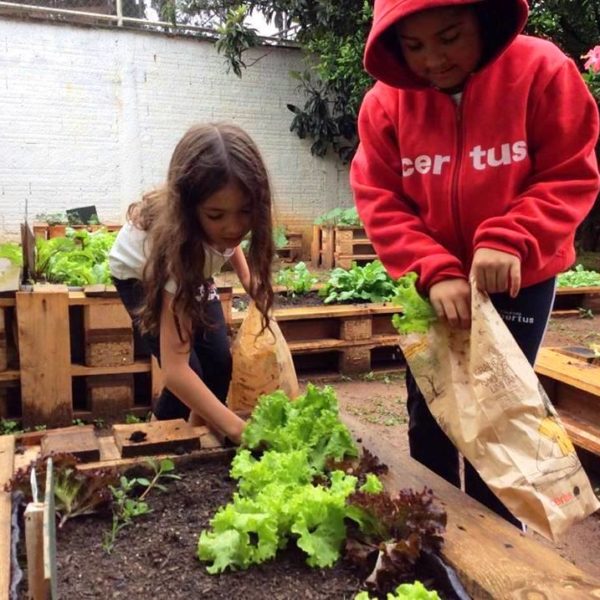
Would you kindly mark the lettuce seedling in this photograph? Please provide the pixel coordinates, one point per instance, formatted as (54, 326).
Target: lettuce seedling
(76, 492)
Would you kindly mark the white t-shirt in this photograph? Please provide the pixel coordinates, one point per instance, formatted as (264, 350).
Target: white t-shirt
(129, 253)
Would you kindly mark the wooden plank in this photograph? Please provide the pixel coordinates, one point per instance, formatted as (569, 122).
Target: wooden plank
(327, 311)
(578, 403)
(108, 448)
(80, 441)
(327, 246)
(492, 558)
(10, 375)
(552, 363)
(3, 344)
(38, 588)
(156, 437)
(45, 356)
(315, 246)
(7, 453)
(50, 532)
(25, 456)
(582, 433)
(304, 347)
(562, 291)
(139, 366)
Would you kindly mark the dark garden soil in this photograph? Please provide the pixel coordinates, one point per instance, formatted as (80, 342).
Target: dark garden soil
(281, 300)
(156, 556)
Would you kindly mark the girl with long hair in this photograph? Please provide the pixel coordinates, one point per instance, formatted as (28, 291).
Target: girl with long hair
(163, 260)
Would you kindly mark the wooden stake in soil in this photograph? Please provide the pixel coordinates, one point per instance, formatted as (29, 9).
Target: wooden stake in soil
(50, 531)
(38, 586)
(7, 453)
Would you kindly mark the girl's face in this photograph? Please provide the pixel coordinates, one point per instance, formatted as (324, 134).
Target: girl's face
(226, 217)
(442, 45)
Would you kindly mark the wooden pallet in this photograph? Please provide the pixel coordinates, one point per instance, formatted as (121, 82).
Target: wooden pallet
(292, 251)
(572, 381)
(322, 246)
(352, 246)
(342, 338)
(340, 246)
(573, 299)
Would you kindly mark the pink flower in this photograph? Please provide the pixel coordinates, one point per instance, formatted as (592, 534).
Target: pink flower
(593, 60)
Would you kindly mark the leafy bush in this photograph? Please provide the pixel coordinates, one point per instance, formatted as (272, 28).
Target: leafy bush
(297, 280)
(339, 216)
(578, 277)
(370, 283)
(79, 259)
(12, 252)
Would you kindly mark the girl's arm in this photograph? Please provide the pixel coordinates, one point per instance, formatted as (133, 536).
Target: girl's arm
(184, 383)
(240, 266)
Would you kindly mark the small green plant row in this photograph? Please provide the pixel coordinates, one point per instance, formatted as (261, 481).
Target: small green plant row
(83, 492)
(339, 216)
(368, 283)
(13, 427)
(61, 218)
(372, 283)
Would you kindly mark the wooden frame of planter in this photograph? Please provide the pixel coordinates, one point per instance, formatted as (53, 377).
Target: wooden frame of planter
(571, 378)
(71, 345)
(492, 558)
(570, 299)
(340, 246)
(345, 339)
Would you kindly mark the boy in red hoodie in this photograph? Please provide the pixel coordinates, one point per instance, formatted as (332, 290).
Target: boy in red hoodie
(476, 160)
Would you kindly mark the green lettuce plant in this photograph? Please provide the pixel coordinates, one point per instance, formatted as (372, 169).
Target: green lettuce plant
(297, 280)
(369, 283)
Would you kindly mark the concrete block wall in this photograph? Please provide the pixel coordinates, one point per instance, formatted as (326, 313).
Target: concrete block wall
(91, 116)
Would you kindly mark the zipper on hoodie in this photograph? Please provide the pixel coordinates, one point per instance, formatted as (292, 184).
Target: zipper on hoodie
(456, 172)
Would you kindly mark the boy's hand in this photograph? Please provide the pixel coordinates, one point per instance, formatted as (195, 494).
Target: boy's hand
(451, 300)
(495, 271)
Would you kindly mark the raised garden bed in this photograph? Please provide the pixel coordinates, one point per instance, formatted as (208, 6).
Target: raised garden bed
(338, 338)
(156, 555)
(340, 246)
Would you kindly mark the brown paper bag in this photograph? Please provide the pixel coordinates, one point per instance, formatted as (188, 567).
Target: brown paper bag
(486, 397)
(262, 363)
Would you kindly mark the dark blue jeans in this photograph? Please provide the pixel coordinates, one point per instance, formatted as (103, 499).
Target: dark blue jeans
(526, 316)
(210, 357)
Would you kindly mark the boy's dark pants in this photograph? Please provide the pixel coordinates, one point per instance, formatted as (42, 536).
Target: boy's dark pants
(210, 357)
(526, 317)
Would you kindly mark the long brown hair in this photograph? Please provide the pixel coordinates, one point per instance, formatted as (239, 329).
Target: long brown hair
(206, 159)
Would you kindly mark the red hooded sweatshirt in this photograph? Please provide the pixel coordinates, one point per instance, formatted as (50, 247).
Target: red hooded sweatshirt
(511, 167)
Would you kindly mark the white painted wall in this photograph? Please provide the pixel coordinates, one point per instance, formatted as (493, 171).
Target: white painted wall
(91, 116)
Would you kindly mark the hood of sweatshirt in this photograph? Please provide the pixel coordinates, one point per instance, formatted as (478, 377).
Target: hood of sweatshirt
(501, 21)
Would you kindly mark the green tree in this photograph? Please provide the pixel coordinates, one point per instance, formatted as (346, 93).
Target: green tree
(332, 35)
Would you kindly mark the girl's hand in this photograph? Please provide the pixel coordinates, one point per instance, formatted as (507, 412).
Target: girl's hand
(451, 300)
(495, 271)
